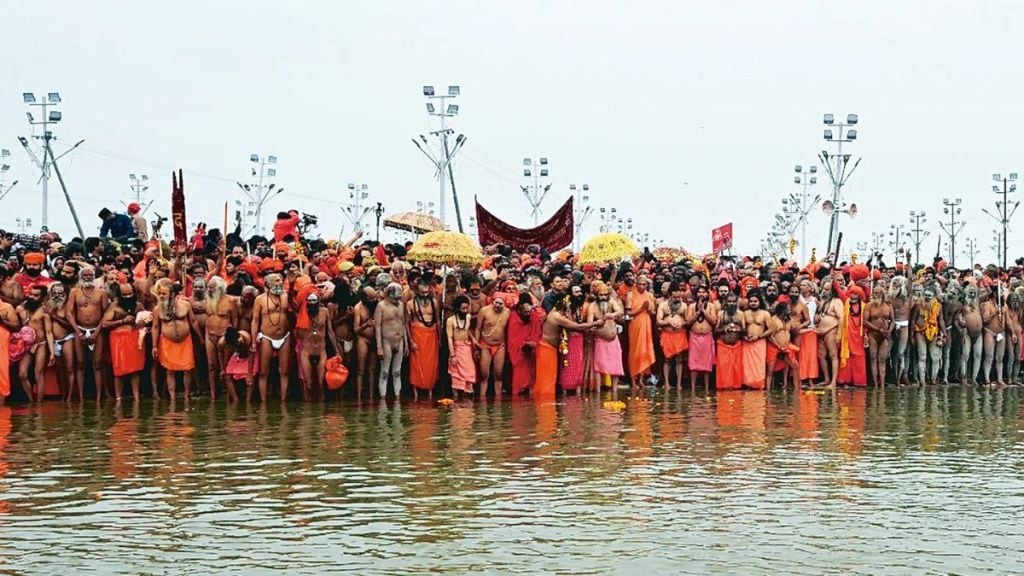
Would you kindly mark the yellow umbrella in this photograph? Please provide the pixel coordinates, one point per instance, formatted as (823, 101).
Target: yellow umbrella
(446, 248)
(416, 222)
(608, 248)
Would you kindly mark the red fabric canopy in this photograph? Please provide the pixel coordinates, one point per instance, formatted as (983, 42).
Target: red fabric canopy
(552, 235)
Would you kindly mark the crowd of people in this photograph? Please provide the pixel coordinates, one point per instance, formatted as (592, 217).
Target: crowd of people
(292, 316)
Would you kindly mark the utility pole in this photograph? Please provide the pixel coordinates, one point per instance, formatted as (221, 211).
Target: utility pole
(443, 158)
(536, 175)
(916, 219)
(261, 190)
(1004, 212)
(5, 154)
(49, 116)
(354, 211)
(952, 209)
(839, 173)
(582, 211)
(798, 208)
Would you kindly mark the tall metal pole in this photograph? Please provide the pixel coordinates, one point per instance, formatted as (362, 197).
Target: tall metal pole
(441, 163)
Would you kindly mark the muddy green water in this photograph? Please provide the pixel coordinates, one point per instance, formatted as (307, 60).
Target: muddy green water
(900, 481)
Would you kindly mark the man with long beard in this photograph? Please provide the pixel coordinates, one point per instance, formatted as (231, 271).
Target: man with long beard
(366, 340)
(392, 339)
(312, 329)
(63, 333)
(173, 325)
(852, 365)
(671, 320)
(198, 302)
(221, 313)
(755, 355)
(272, 327)
(86, 305)
(32, 314)
(554, 333)
(929, 335)
(572, 373)
(606, 309)
(423, 313)
(730, 329)
(878, 323)
(461, 367)
(899, 299)
(127, 357)
(701, 318)
(524, 333)
(952, 302)
(829, 336)
(33, 272)
(971, 325)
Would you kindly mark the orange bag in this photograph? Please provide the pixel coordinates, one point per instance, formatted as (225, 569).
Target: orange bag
(336, 373)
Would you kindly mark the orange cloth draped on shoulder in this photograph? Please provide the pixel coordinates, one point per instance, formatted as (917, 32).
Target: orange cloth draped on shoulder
(641, 339)
(729, 374)
(461, 367)
(674, 343)
(177, 356)
(547, 371)
(5, 363)
(808, 358)
(853, 365)
(423, 361)
(754, 358)
(125, 355)
(520, 356)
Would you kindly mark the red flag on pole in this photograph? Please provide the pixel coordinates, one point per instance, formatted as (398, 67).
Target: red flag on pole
(721, 238)
(178, 207)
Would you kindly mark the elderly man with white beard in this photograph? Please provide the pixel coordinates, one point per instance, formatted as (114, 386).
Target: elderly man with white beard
(221, 314)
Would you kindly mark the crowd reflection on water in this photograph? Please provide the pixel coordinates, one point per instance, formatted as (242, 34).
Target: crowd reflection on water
(417, 475)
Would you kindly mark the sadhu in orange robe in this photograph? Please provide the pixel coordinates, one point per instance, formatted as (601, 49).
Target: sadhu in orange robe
(852, 365)
(641, 338)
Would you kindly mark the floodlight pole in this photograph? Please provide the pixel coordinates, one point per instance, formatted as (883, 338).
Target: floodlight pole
(952, 207)
(916, 218)
(44, 166)
(535, 171)
(355, 211)
(1005, 214)
(838, 174)
(442, 162)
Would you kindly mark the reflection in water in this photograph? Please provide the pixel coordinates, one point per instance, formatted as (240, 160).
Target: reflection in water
(521, 485)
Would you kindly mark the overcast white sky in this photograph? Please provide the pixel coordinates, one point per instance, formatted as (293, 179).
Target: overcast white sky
(684, 115)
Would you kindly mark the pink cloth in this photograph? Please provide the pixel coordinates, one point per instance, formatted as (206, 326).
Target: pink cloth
(462, 368)
(608, 357)
(571, 376)
(238, 368)
(702, 352)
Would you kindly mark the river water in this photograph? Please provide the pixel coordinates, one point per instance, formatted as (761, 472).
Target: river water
(895, 481)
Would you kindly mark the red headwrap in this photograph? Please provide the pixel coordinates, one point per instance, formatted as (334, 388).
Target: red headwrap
(303, 321)
(34, 258)
(856, 291)
(271, 264)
